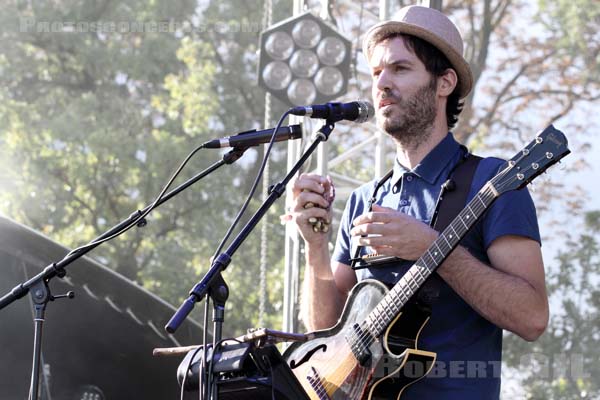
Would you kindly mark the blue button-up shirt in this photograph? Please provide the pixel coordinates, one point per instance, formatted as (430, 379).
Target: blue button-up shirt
(468, 346)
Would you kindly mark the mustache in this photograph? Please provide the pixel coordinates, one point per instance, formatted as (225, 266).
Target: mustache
(388, 95)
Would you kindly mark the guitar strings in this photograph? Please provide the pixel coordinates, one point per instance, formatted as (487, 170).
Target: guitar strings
(366, 337)
(475, 209)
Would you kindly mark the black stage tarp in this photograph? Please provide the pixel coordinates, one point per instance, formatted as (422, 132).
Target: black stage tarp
(100, 341)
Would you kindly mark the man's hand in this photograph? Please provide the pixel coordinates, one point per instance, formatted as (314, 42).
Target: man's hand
(312, 199)
(393, 233)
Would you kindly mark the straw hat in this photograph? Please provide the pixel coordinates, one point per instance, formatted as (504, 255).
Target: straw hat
(433, 27)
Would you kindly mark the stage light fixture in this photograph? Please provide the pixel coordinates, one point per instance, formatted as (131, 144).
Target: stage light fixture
(304, 60)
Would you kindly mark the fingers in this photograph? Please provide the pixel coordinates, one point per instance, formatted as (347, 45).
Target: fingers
(369, 229)
(313, 196)
(375, 217)
(309, 182)
(308, 216)
(379, 214)
(378, 208)
(392, 232)
(382, 250)
(317, 217)
(312, 222)
(373, 228)
(329, 187)
(308, 199)
(376, 242)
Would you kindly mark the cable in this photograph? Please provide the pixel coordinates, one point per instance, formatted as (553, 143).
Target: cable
(266, 360)
(254, 186)
(209, 376)
(201, 374)
(141, 215)
(186, 371)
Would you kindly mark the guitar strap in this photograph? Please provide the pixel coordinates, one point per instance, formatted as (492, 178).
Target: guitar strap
(453, 196)
(452, 199)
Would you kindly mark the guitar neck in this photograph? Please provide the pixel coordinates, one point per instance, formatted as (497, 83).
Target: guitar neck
(389, 307)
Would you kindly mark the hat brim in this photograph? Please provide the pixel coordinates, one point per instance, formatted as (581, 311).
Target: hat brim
(460, 65)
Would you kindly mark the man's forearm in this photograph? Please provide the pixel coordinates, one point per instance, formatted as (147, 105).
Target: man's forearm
(509, 302)
(321, 300)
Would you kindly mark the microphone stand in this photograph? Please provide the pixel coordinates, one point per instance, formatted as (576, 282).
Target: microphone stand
(212, 284)
(38, 285)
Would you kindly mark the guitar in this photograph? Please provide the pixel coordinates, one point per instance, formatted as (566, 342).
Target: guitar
(373, 351)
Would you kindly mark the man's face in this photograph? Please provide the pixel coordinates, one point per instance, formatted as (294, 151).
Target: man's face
(404, 93)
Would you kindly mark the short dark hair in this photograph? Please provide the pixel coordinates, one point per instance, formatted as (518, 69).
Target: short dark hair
(436, 63)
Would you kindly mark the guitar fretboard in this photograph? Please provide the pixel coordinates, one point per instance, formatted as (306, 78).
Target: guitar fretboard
(389, 307)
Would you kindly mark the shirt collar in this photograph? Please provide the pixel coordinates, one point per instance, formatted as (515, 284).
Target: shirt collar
(433, 164)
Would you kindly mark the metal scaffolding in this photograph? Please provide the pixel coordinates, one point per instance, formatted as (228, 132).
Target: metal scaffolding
(376, 144)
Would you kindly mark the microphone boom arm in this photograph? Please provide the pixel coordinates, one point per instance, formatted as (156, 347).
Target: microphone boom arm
(57, 268)
(220, 263)
(38, 285)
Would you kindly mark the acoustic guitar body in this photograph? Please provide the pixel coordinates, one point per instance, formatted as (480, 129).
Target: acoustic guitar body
(344, 362)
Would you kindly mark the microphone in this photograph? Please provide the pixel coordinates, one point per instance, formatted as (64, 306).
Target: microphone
(357, 111)
(254, 137)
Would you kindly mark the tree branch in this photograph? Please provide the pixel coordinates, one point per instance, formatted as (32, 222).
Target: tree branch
(500, 12)
(146, 260)
(247, 98)
(486, 119)
(570, 93)
(484, 42)
(62, 177)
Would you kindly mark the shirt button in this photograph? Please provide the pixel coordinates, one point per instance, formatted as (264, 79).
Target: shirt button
(409, 178)
(403, 202)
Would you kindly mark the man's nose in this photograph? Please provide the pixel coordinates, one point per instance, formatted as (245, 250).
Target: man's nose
(383, 82)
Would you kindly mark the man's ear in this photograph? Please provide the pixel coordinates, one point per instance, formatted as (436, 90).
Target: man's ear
(447, 82)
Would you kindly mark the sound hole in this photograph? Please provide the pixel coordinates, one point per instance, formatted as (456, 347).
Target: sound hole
(307, 356)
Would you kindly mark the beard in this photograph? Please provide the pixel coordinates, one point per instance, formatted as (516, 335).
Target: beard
(410, 120)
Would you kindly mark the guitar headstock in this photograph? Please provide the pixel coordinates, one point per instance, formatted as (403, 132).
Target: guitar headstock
(544, 151)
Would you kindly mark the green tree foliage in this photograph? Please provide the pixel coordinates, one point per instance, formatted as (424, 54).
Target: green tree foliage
(563, 363)
(101, 101)
(78, 129)
(575, 24)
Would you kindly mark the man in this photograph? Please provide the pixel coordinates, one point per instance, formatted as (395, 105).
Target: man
(494, 280)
